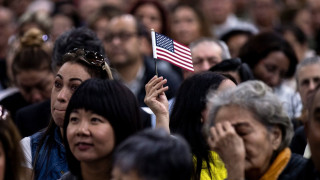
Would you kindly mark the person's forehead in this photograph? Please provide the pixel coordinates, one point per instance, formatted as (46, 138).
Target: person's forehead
(309, 69)
(122, 23)
(207, 47)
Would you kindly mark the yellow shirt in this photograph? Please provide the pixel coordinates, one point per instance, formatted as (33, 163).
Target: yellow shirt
(218, 171)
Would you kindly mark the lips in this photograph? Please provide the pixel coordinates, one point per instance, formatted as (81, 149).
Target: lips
(83, 146)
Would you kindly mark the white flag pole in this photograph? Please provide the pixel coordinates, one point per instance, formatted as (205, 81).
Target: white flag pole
(153, 37)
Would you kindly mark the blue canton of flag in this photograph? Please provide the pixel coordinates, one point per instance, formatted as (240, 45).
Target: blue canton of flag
(164, 42)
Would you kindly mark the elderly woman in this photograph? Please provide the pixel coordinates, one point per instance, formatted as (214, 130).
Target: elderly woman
(249, 129)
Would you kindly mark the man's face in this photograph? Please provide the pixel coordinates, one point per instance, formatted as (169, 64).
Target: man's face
(122, 42)
(308, 79)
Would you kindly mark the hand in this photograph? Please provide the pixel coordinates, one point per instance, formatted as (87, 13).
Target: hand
(157, 101)
(229, 145)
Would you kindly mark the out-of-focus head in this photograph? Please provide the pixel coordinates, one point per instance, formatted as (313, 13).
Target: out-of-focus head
(270, 61)
(188, 24)
(40, 20)
(164, 157)
(75, 38)
(314, 6)
(206, 53)
(264, 13)
(258, 118)
(30, 67)
(11, 155)
(7, 27)
(123, 39)
(312, 126)
(235, 39)
(217, 11)
(100, 19)
(308, 77)
(97, 120)
(78, 66)
(152, 15)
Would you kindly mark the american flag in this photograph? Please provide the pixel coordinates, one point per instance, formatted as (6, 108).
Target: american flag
(167, 49)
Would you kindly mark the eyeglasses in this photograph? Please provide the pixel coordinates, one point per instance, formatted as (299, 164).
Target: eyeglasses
(123, 36)
(91, 57)
(3, 113)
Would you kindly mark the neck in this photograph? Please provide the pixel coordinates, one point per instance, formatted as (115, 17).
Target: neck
(129, 73)
(96, 170)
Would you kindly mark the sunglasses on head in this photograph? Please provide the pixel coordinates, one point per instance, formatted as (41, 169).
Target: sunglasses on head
(91, 57)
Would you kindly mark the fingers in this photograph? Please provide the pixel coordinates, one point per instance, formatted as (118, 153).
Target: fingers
(155, 86)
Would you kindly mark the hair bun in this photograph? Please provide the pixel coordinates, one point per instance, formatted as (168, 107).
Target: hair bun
(33, 37)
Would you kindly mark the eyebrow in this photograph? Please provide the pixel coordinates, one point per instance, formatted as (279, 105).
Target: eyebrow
(71, 79)
(236, 125)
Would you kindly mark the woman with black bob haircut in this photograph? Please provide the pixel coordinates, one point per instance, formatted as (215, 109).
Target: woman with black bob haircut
(100, 115)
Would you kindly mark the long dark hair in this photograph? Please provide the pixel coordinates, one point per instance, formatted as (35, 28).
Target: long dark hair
(110, 99)
(186, 115)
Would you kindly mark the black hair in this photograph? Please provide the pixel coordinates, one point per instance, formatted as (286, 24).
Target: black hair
(75, 38)
(261, 45)
(186, 115)
(234, 65)
(110, 99)
(226, 37)
(164, 157)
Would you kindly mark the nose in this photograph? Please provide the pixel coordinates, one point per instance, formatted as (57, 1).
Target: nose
(205, 66)
(275, 80)
(312, 85)
(36, 96)
(63, 95)
(83, 129)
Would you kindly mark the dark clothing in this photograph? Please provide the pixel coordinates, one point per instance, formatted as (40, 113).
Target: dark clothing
(293, 168)
(308, 172)
(32, 118)
(4, 80)
(173, 80)
(299, 141)
(13, 103)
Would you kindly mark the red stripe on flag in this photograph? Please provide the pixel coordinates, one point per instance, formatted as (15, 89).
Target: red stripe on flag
(184, 61)
(173, 62)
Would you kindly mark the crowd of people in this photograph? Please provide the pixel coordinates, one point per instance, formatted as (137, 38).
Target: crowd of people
(82, 99)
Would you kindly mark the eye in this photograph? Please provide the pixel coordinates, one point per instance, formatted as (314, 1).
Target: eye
(73, 119)
(242, 130)
(270, 68)
(74, 87)
(96, 120)
(57, 84)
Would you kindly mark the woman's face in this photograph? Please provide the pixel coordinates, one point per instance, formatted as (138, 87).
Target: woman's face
(90, 136)
(258, 141)
(2, 162)
(67, 80)
(272, 69)
(185, 25)
(34, 85)
(149, 15)
(313, 130)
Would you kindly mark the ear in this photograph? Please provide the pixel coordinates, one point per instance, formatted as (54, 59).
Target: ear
(276, 137)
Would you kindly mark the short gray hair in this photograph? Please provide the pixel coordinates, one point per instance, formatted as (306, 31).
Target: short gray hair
(259, 99)
(225, 54)
(306, 62)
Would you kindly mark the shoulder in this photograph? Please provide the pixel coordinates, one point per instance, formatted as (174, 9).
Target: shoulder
(294, 167)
